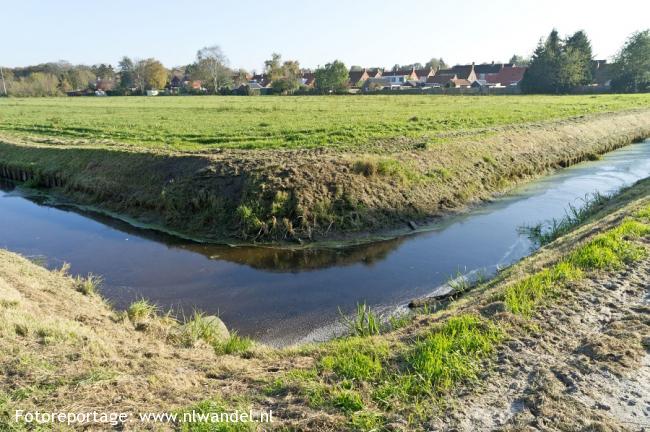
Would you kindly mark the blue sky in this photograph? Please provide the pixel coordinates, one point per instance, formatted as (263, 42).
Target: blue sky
(360, 32)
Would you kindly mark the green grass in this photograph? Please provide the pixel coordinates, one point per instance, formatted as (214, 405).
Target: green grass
(451, 353)
(141, 310)
(203, 123)
(608, 251)
(215, 407)
(523, 296)
(546, 232)
(89, 285)
(356, 358)
(364, 322)
(347, 400)
(643, 214)
(611, 250)
(235, 344)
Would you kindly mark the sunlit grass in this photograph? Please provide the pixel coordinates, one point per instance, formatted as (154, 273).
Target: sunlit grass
(523, 296)
(203, 123)
(364, 322)
(356, 358)
(452, 353)
(608, 251)
(141, 310)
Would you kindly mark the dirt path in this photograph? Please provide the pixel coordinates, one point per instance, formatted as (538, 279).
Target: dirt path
(579, 366)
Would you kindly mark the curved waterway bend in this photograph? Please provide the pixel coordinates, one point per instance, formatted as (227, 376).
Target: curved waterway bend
(282, 297)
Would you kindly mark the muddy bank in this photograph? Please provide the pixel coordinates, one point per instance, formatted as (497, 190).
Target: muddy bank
(311, 195)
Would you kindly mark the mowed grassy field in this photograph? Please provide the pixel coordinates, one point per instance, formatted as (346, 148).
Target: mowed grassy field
(205, 123)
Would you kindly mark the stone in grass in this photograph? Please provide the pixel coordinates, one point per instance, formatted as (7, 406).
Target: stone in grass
(220, 328)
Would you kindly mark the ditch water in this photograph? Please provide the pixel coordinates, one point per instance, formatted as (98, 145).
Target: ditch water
(283, 296)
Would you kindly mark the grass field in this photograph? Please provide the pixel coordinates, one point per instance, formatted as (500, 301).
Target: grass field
(347, 123)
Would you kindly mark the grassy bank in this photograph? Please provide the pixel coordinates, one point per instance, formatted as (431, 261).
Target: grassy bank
(547, 336)
(312, 170)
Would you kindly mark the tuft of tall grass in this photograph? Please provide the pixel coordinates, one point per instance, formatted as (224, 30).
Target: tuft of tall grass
(545, 232)
(364, 323)
(459, 283)
(235, 344)
(141, 310)
(89, 285)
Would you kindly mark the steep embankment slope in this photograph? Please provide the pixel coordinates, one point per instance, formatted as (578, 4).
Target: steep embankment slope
(316, 194)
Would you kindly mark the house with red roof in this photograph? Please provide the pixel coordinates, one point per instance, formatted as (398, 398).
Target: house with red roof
(356, 78)
(509, 75)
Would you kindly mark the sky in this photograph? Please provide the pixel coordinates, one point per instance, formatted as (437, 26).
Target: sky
(358, 32)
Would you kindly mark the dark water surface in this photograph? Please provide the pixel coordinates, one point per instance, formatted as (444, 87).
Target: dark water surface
(281, 296)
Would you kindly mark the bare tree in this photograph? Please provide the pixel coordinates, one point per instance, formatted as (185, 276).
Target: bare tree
(213, 66)
(139, 74)
(4, 85)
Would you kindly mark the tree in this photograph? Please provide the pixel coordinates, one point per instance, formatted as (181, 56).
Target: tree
(104, 72)
(579, 56)
(559, 66)
(139, 75)
(273, 67)
(77, 78)
(437, 64)
(126, 72)
(331, 77)
(155, 74)
(212, 66)
(518, 60)
(35, 84)
(540, 75)
(4, 83)
(631, 68)
(285, 76)
(240, 77)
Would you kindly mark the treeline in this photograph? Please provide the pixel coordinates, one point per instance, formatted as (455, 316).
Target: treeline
(563, 65)
(558, 65)
(53, 79)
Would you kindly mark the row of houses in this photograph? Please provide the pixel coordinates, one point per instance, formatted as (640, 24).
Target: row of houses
(489, 75)
(460, 76)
